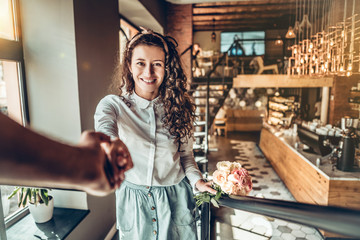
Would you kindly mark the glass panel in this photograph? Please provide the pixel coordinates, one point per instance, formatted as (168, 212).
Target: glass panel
(6, 20)
(10, 102)
(10, 206)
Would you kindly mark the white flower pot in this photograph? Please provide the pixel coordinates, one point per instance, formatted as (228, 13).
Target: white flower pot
(42, 213)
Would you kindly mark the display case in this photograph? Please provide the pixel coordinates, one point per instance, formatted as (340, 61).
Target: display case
(282, 110)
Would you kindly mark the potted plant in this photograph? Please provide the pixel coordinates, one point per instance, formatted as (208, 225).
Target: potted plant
(41, 204)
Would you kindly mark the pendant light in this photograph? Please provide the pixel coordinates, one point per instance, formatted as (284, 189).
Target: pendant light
(279, 41)
(213, 34)
(290, 33)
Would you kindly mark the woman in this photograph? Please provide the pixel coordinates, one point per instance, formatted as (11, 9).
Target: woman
(153, 115)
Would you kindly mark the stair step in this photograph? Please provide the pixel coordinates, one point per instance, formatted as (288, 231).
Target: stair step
(199, 134)
(199, 123)
(212, 79)
(212, 83)
(204, 97)
(210, 90)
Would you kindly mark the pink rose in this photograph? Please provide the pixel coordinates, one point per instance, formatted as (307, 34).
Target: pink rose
(219, 177)
(242, 176)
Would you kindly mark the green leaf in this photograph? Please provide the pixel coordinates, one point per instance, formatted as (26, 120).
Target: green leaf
(44, 196)
(14, 192)
(214, 202)
(28, 193)
(21, 197)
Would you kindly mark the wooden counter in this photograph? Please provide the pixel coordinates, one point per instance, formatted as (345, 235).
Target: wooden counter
(308, 183)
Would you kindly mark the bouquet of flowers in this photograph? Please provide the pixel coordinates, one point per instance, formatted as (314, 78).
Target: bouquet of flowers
(229, 179)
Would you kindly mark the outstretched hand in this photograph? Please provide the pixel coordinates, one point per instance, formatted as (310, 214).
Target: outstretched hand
(203, 186)
(106, 163)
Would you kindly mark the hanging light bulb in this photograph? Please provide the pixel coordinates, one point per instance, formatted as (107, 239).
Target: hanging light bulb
(279, 41)
(349, 67)
(213, 34)
(341, 68)
(290, 33)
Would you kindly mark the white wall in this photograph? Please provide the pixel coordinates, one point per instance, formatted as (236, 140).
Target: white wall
(50, 62)
(66, 75)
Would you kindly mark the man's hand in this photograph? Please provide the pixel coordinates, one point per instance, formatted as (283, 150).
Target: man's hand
(106, 163)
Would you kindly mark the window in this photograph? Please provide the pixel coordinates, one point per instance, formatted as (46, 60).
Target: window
(12, 86)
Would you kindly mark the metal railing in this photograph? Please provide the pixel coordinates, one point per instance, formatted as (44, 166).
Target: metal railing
(344, 221)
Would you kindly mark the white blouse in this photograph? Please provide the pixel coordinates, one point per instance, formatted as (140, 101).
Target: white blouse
(137, 122)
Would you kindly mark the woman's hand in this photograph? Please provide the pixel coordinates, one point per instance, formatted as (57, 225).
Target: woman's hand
(119, 159)
(106, 163)
(203, 186)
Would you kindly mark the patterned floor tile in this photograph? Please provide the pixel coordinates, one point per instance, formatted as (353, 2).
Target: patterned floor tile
(267, 184)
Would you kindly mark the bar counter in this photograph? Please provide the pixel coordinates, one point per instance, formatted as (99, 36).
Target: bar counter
(324, 185)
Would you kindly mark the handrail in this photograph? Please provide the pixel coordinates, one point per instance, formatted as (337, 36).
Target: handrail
(345, 221)
(187, 49)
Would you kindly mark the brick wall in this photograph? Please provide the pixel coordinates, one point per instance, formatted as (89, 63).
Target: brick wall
(340, 92)
(179, 26)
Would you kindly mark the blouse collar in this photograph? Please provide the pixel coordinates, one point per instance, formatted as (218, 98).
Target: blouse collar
(144, 103)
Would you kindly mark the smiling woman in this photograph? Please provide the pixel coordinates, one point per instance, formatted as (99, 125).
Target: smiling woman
(148, 69)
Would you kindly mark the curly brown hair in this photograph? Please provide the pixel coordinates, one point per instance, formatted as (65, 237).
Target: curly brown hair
(179, 108)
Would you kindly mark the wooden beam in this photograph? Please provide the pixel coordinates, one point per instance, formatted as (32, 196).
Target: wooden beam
(245, 3)
(238, 27)
(281, 81)
(236, 16)
(242, 9)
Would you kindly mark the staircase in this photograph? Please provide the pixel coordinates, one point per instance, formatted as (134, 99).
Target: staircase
(209, 95)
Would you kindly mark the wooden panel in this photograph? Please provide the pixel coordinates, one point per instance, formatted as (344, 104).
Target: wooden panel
(304, 182)
(345, 193)
(279, 80)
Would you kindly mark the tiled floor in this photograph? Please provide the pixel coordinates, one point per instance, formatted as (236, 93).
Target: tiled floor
(228, 224)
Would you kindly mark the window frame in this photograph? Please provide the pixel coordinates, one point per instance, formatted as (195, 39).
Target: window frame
(12, 50)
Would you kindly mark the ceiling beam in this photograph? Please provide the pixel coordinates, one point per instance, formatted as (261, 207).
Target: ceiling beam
(246, 9)
(237, 16)
(246, 3)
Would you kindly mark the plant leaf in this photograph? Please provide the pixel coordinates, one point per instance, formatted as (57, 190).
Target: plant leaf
(14, 192)
(21, 197)
(44, 196)
(214, 202)
(28, 192)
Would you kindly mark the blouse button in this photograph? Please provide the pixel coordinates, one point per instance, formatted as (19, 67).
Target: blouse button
(147, 187)
(152, 208)
(154, 220)
(149, 194)
(155, 232)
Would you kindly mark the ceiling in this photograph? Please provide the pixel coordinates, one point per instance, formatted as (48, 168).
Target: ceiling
(210, 15)
(243, 15)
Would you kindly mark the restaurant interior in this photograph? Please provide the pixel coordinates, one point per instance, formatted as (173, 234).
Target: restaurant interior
(276, 84)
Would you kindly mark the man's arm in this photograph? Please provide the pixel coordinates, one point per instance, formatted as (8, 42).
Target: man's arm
(28, 158)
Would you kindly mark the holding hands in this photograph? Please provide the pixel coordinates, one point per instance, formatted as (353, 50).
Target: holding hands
(106, 164)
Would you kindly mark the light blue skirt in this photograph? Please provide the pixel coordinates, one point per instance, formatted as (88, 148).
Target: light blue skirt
(161, 213)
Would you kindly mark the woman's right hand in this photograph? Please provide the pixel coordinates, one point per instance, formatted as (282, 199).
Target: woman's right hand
(119, 160)
(103, 163)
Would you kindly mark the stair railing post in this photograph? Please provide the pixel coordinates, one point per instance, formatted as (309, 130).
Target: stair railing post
(207, 116)
(205, 221)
